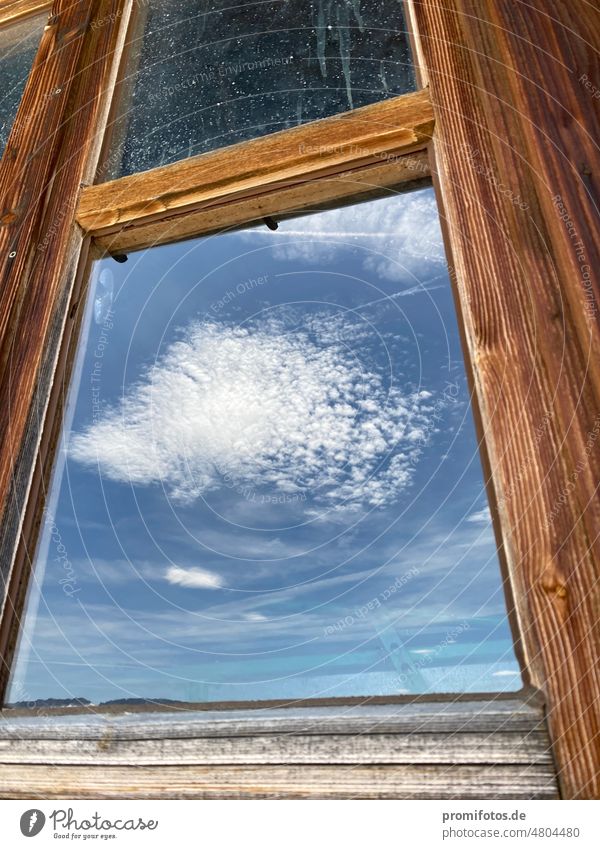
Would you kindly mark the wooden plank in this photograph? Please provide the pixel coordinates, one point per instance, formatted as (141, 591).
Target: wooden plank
(516, 128)
(48, 155)
(12, 11)
(278, 782)
(484, 716)
(371, 134)
(496, 748)
(502, 748)
(357, 184)
(29, 156)
(25, 171)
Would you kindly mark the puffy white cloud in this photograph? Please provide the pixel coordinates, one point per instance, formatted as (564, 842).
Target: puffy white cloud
(401, 236)
(195, 578)
(276, 406)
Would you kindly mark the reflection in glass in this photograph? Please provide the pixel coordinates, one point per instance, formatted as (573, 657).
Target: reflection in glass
(214, 73)
(269, 484)
(18, 46)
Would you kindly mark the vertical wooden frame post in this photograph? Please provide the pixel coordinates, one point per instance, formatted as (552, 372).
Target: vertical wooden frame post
(52, 151)
(517, 129)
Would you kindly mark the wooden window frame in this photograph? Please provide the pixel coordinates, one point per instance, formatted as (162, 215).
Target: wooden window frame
(530, 331)
(14, 11)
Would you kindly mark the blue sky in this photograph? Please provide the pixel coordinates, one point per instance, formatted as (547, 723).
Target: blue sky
(269, 484)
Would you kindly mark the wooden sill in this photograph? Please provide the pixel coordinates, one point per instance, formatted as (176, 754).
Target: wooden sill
(496, 748)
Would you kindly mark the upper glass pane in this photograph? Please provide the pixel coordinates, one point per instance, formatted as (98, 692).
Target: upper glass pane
(18, 46)
(211, 73)
(269, 484)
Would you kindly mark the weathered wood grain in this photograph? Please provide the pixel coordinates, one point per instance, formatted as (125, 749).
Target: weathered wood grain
(371, 134)
(471, 749)
(516, 127)
(499, 747)
(399, 172)
(49, 153)
(26, 168)
(12, 11)
(484, 716)
(277, 782)
(25, 171)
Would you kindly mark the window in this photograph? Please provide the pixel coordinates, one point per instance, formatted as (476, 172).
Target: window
(271, 486)
(209, 75)
(125, 173)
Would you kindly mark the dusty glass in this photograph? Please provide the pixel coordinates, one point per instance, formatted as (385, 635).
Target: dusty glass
(204, 75)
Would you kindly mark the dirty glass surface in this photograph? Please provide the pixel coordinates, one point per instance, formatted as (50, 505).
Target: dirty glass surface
(204, 75)
(18, 46)
(268, 484)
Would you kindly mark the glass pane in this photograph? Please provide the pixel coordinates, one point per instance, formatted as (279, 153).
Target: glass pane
(269, 484)
(18, 46)
(213, 73)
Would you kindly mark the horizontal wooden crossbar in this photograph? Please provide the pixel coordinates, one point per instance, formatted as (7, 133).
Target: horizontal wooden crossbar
(12, 11)
(155, 206)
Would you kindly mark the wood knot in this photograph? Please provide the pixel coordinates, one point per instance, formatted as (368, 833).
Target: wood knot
(552, 583)
(7, 218)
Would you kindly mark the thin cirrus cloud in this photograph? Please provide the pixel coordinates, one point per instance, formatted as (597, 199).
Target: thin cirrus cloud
(401, 238)
(287, 409)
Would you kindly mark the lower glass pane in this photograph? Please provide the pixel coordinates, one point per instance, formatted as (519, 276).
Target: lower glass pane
(269, 484)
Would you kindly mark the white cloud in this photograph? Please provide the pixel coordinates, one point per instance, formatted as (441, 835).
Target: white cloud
(195, 578)
(402, 236)
(274, 406)
(481, 517)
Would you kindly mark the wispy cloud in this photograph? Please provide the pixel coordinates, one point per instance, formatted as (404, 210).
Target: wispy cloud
(293, 408)
(400, 238)
(193, 578)
(480, 517)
